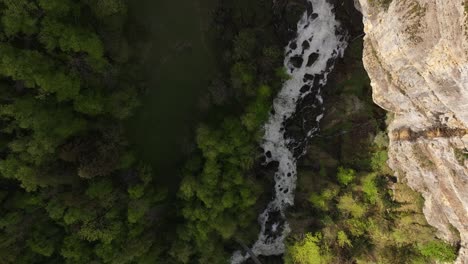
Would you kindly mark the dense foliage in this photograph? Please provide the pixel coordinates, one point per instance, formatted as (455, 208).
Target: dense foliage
(360, 221)
(66, 85)
(68, 80)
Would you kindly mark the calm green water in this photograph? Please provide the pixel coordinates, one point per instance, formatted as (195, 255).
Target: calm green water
(179, 66)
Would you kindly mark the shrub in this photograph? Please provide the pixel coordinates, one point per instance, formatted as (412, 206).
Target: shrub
(347, 204)
(320, 201)
(345, 176)
(369, 188)
(343, 240)
(438, 250)
(306, 251)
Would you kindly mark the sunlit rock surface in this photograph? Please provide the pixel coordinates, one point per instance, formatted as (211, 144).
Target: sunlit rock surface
(416, 54)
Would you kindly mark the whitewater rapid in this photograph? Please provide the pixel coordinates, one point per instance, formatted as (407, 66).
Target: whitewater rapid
(309, 59)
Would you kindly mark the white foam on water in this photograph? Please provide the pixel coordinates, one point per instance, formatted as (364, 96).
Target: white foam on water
(320, 31)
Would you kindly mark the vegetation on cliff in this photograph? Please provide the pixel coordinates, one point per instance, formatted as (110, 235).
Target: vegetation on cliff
(381, 3)
(350, 208)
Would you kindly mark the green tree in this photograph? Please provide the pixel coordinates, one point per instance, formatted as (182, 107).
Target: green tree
(307, 251)
(104, 8)
(136, 210)
(69, 38)
(100, 190)
(19, 17)
(349, 205)
(244, 45)
(370, 188)
(42, 242)
(36, 70)
(321, 201)
(345, 176)
(343, 240)
(75, 250)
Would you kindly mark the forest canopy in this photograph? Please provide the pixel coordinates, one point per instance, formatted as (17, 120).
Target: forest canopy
(66, 86)
(73, 188)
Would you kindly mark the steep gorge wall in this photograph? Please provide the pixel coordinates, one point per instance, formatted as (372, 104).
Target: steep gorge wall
(416, 54)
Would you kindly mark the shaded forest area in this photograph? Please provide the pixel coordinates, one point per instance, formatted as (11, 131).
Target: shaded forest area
(72, 187)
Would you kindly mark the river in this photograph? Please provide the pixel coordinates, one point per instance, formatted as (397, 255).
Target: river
(309, 59)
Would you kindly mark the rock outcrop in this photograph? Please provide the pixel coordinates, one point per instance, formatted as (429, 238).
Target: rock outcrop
(416, 54)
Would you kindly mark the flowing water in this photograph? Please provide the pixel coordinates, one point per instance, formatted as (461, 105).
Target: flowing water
(309, 59)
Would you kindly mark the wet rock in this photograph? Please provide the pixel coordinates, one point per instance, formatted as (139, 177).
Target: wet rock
(292, 13)
(297, 61)
(274, 225)
(308, 77)
(317, 79)
(305, 45)
(293, 45)
(330, 62)
(337, 31)
(272, 165)
(305, 88)
(310, 8)
(312, 58)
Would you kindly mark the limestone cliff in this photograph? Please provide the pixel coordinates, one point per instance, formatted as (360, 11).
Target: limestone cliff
(416, 54)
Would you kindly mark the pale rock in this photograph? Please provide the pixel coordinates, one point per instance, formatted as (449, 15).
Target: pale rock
(416, 54)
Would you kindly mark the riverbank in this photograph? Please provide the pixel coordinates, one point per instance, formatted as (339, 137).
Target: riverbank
(220, 187)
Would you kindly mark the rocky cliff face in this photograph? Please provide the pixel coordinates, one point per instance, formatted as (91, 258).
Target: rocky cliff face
(416, 54)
